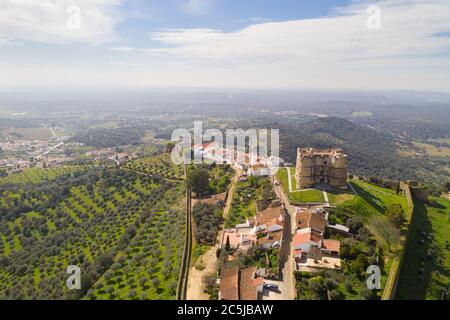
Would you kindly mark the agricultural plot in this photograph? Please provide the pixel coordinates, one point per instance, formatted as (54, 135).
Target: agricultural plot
(161, 165)
(38, 175)
(29, 133)
(148, 268)
(94, 220)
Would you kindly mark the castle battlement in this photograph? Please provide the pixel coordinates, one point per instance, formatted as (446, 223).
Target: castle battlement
(321, 166)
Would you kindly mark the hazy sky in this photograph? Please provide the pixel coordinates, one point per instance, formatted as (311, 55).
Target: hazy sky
(289, 44)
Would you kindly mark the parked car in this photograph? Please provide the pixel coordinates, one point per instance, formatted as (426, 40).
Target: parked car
(271, 287)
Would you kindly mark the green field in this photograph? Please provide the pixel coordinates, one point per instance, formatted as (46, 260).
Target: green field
(306, 196)
(39, 175)
(297, 197)
(426, 267)
(29, 133)
(282, 177)
(362, 114)
(336, 197)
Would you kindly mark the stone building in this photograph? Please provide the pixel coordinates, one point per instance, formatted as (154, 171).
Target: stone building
(321, 166)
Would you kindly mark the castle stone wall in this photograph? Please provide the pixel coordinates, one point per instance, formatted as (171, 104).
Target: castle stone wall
(321, 166)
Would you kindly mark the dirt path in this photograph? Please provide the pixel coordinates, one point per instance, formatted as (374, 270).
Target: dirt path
(289, 179)
(196, 287)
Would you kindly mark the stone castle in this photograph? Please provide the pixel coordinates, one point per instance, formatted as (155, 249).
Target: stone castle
(321, 167)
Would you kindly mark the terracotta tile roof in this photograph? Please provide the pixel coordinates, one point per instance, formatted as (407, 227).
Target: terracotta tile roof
(301, 238)
(258, 166)
(240, 285)
(236, 238)
(332, 245)
(229, 282)
(249, 283)
(311, 220)
(270, 238)
(265, 216)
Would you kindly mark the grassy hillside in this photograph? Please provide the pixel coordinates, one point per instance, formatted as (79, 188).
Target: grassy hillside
(370, 205)
(378, 240)
(426, 267)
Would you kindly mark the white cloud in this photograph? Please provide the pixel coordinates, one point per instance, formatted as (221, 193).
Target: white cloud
(337, 50)
(196, 6)
(409, 28)
(5, 40)
(45, 21)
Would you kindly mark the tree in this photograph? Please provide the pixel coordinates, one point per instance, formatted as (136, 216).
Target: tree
(227, 244)
(142, 281)
(155, 282)
(369, 294)
(335, 295)
(395, 214)
(198, 181)
(172, 286)
(387, 231)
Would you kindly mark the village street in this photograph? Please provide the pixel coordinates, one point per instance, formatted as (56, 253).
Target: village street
(287, 285)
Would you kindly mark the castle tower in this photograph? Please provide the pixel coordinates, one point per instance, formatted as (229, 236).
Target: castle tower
(321, 167)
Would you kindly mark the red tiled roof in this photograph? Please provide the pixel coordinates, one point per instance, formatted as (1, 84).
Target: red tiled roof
(266, 216)
(240, 285)
(271, 237)
(332, 245)
(249, 283)
(311, 220)
(301, 238)
(229, 282)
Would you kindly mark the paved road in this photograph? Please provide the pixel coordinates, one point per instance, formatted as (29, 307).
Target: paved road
(287, 285)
